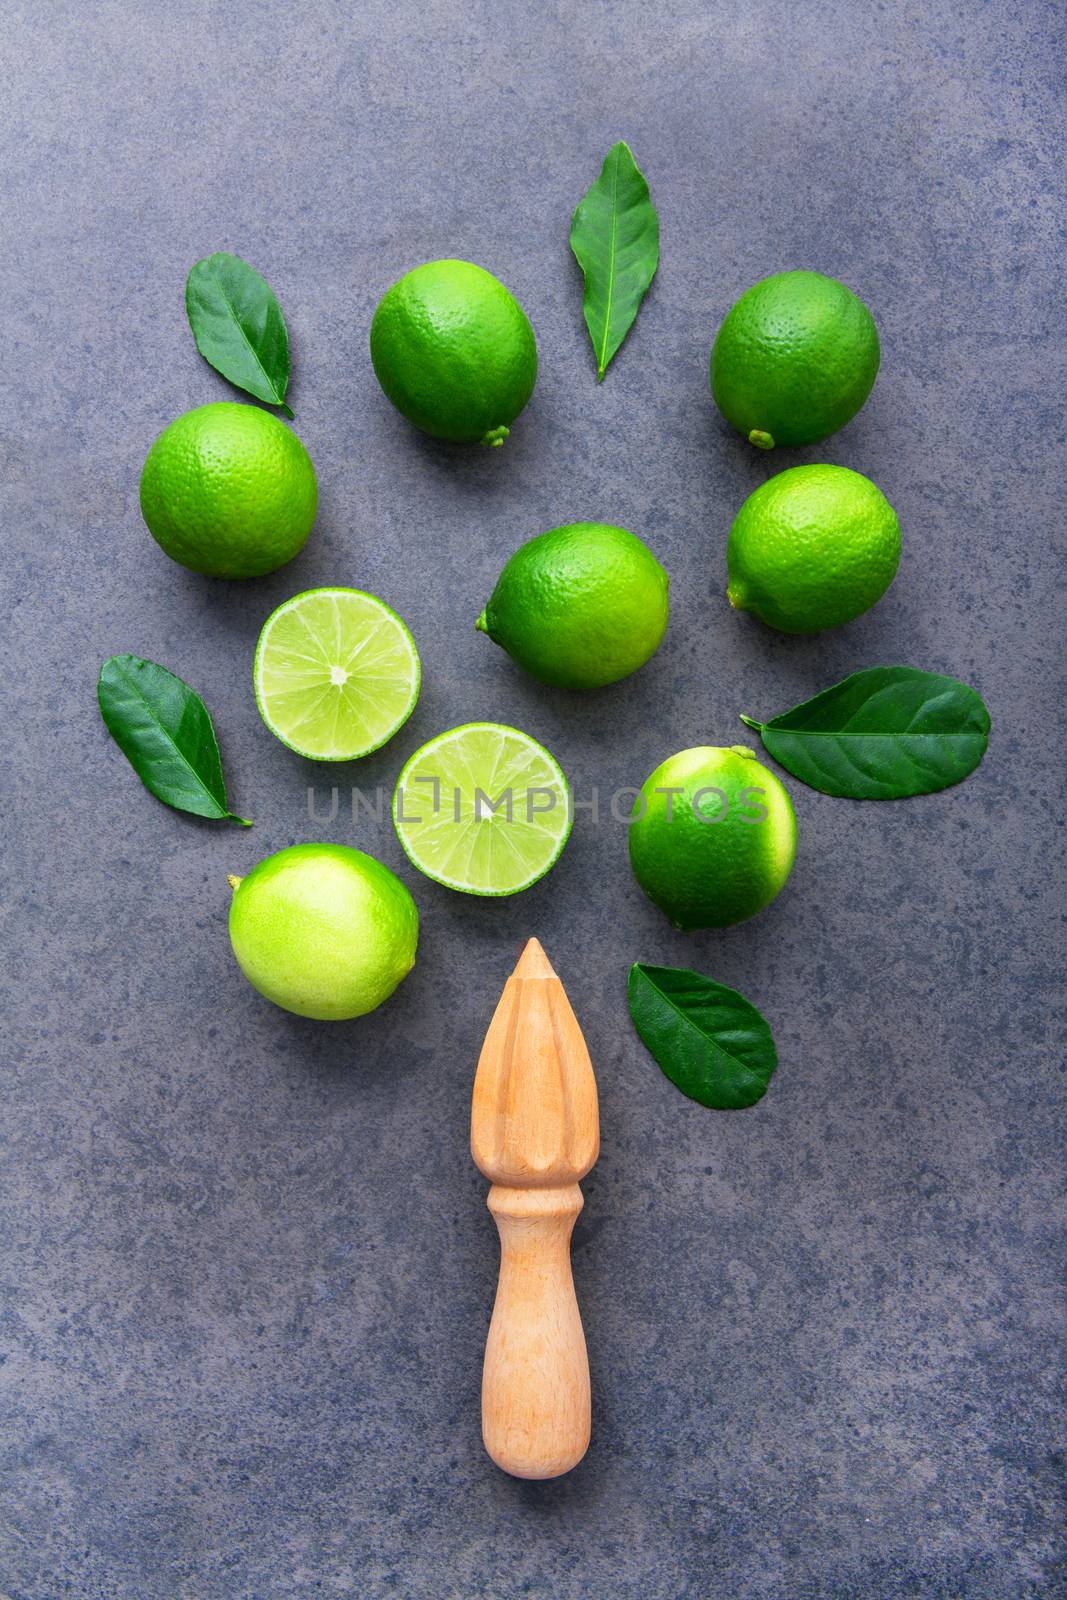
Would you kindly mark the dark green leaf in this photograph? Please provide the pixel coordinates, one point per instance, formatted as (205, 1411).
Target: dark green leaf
(711, 1043)
(615, 237)
(883, 734)
(238, 326)
(163, 729)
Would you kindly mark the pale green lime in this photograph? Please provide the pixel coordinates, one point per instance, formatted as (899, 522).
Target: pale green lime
(323, 930)
(483, 808)
(336, 673)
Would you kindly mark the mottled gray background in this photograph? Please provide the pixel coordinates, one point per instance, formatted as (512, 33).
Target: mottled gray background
(246, 1266)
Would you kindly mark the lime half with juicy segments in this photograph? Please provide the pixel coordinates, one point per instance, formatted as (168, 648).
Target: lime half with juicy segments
(483, 808)
(336, 673)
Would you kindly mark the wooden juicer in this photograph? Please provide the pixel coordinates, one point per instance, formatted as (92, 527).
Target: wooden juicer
(535, 1132)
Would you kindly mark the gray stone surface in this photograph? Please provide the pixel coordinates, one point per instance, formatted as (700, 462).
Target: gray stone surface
(246, 1266)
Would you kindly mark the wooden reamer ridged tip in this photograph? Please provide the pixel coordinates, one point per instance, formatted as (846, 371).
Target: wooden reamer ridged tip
(533, 963)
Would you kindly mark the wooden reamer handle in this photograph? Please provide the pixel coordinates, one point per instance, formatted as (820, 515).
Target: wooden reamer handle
(535, 1382)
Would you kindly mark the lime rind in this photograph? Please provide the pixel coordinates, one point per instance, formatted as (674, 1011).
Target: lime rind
(489, 855)
(306, 645)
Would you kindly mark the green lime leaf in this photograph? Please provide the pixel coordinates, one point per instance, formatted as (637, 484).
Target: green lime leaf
(882, 734)
(710, 1041)
(238, 326)
(615, 238)
(163, 729)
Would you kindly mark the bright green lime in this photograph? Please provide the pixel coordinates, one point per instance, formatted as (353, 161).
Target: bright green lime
(229, 490)
(811, 548)
(579, 606)
(713, 836)
(336, 673)
(323, 930)
(454, 351)
(483, 808)
(794, 360)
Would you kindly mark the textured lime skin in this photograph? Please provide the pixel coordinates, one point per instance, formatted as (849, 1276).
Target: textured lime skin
(811, 548)
(454, 351)
(323, 930)
(794, 360)
(228, 490)
(579, 606)
(707, 874)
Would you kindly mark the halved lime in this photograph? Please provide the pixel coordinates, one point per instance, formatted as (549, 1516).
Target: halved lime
(483, 808)
(336, 673)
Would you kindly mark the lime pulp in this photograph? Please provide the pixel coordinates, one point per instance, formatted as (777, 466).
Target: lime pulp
(483, 808)
(336, 673)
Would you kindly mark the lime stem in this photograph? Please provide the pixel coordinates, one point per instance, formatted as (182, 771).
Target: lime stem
(762, 440)
(232, 879)
(481, 624)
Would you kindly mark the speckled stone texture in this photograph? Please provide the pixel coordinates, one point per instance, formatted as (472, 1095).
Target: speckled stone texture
(246, 1266)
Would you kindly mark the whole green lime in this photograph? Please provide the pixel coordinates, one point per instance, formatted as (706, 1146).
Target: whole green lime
(454, 351)
(579, 606)
(323, 930)
(811, 548)
(713, 836)
(229, 490)
(794, 360)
